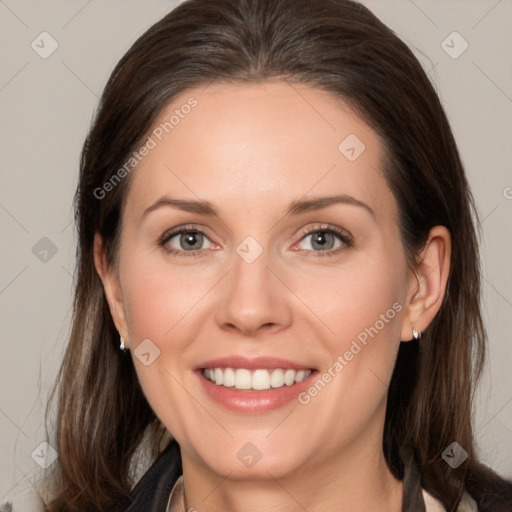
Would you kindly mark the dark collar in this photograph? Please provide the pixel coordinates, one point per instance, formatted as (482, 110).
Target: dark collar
(151, 493)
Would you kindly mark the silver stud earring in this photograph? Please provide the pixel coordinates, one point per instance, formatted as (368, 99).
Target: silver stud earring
(121, 344)
(416, 334)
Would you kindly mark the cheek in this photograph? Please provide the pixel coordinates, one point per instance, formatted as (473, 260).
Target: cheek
(159, 298)
(162, 305)
(165, 305)
(350, 300)
(358, 318)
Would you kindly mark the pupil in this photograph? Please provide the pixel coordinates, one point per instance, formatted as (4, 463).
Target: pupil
(320, 238)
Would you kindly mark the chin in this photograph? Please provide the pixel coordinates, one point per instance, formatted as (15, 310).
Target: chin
(247, 460)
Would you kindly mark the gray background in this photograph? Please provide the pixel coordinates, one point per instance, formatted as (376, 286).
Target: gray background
(47, 105)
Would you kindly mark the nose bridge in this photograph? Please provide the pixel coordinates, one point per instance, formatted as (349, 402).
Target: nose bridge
(250, 274)
(252, 297)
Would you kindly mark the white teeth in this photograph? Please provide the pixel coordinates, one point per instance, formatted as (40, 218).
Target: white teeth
(229, 378)
(301, 374)
(277, 378)
(242, 378)
(289, 377)
(260, 379)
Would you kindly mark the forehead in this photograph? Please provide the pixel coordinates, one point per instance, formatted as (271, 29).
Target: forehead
(257, 144)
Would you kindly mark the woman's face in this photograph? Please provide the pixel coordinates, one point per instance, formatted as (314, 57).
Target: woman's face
(259, 234)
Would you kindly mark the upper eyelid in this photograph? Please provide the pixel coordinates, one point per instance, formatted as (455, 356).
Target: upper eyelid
(321, 226)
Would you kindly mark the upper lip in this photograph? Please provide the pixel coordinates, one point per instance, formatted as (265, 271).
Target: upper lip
(253, 363)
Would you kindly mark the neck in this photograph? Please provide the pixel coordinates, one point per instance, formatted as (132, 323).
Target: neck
(356, 481)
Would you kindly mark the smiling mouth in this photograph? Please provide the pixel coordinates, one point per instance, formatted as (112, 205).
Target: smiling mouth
(257, 380)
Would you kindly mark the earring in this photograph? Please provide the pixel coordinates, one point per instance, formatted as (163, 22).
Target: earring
(121, 345)
(416, 334)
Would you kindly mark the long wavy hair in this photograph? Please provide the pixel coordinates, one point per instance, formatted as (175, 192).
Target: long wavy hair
(338, 46)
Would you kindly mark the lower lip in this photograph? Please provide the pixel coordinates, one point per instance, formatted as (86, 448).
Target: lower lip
(253, 401)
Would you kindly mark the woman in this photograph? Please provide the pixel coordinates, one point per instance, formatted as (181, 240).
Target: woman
(276, 230)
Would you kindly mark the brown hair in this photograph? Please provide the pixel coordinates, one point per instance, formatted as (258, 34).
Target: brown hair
(340, 47)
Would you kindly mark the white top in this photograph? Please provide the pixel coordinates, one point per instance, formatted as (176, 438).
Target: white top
(467, 504)
(176, 501)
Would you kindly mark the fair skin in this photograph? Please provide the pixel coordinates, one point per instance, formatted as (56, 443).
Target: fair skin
(251, 150)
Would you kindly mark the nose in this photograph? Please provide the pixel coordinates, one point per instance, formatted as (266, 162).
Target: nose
(253, 299)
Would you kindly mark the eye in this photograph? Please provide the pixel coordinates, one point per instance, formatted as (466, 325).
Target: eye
(189, 241)
(325, 240)
(185, 240)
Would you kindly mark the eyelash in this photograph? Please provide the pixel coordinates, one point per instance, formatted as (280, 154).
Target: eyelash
(342, 236)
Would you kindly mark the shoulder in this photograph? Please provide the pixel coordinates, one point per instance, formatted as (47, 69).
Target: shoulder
(467, 504)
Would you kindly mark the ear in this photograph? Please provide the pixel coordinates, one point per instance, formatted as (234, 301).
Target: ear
(111, 286)
(426, 289)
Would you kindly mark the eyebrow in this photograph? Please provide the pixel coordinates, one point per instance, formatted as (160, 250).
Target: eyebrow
(302, 206)
(295, 208)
